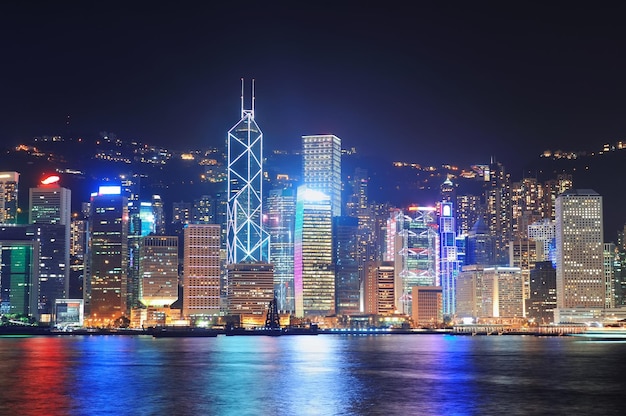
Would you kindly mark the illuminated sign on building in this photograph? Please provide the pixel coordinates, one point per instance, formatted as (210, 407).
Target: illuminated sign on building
(109, 190)
(50, 180)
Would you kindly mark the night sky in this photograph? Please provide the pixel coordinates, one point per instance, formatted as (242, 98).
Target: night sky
(429, 82)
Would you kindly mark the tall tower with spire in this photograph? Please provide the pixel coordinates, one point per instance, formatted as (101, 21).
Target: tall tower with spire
(246, 239)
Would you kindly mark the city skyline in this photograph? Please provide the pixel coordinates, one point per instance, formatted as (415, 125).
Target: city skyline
(488, 79)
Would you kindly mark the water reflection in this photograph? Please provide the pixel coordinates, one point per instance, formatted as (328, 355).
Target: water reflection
(305, 375)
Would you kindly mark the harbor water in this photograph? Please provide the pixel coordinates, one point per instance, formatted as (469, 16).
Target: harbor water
(311, 375)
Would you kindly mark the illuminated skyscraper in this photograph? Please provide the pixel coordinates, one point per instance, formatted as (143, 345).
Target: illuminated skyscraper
(281, 212)
(250, 290)
(201, 270)
(9, 182)
(449, 265)
(108, 256)
(502, 292)
(468, 210)
(543, 233)
(346, 260)
(158, 270)
(321, 162)
(246, 239)
(19, 269)
(159, 215)
(314, 275)
(203, 211)
(379, 294)
(542, 300)
(498, 210)
(50, 207)
(580, 280)
(415, 249)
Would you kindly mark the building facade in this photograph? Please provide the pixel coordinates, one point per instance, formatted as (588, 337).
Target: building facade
(314, 272)
(580, 279)
(246, 239)
(201, 270)
(321, 162)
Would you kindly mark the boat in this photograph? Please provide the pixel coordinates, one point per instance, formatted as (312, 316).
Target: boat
(607, 333)
(24, 330)
(184, 332)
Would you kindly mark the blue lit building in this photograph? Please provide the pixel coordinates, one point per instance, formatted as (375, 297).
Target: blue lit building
(449, 264)
(280, 223)
(345, 258)
(246, 239)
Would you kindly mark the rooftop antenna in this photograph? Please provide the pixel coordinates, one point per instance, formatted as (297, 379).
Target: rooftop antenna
(241, 97)
(253, 98)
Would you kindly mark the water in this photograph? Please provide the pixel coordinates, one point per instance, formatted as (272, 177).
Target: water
(311, 375)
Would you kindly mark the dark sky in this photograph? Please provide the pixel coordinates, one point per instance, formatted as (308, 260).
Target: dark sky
(429, 82)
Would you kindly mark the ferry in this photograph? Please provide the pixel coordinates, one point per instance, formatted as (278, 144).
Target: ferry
(607, 333)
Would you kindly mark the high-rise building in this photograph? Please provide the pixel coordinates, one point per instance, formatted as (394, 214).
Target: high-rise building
(19, 269)
(498, 210)
(108, 256)
(542, 300)
(280, 225)
(346, 260)
(449, 265)
(368, 248)
(158, 270)
(201, 270)
(314, 274)
(469, 210)
(78, 248)
(609, 275)
(543, 233)
(415, 250)
(246, 239)
(479, 245)
(379, 293)
(502, 292)
(9, 182)
(321, 162)
(469, 292)
(159, 215)
(203, 210)
(181, 214)
(250, 290)
(580, 280)
(427, 306)
(50, 207)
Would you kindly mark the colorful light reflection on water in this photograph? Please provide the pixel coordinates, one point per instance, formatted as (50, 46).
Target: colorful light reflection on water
(309, 375)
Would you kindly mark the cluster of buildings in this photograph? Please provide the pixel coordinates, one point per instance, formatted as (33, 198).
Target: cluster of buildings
(515, 253)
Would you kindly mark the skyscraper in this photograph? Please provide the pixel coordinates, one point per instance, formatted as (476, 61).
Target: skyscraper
(314, 275)
(415, 249)
(345, 258)
(281, 212)
(498, 210)
(246, 239)
(449, 265)
(50, 207)
(9, 182)
(108, 256)
(158, 270)
(201, 270)
(580, 281)
(321, 162)
(250, 290)
(542, 300)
